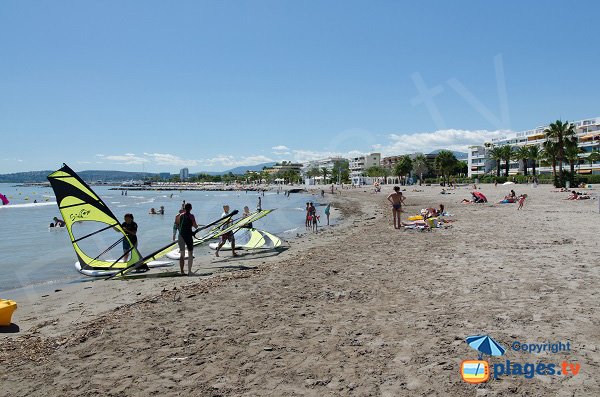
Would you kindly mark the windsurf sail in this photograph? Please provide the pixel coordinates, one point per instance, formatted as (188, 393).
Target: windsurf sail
(240, 223)
(95, 232)
(167, 248)
(3, 199)
(252, 239)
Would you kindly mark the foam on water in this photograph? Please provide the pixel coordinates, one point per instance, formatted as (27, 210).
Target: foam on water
(28, 205)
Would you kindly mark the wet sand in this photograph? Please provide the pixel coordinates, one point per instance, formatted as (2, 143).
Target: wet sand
(359, 309)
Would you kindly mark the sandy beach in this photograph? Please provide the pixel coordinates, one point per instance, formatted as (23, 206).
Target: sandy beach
(359, 309)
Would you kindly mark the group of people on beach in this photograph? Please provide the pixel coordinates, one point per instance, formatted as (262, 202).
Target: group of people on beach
(312, 218)
(185, 221)
(513, 198)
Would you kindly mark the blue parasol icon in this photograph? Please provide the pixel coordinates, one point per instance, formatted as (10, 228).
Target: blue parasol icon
(485, 345)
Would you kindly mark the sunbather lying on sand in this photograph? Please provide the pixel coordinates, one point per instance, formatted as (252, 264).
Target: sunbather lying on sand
(433, 212)
(578, 196)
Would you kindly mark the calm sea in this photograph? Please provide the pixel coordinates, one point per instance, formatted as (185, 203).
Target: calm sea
(32, 254)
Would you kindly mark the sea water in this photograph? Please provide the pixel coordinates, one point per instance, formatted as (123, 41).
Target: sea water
(33, 254)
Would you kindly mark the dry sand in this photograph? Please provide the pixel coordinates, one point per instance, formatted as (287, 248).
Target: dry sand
(360, 309)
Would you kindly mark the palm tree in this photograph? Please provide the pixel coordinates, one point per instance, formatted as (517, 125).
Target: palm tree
(572, 151)
(550, 154)
(506, 155)
(313, 173)
(403, 166)
(522, 153)
(420, 166)
(496, 155)
(534, 155)
(324, 172)
(445, 162)
(560, 132)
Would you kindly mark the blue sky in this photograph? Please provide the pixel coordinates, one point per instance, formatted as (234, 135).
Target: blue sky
(155, 85)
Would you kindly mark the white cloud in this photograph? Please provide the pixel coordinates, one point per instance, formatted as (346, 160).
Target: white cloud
(128, 159)
(280, 148)
(303, 156)
(234, 161)
(170, 159)
(162, 159)
(426, 142)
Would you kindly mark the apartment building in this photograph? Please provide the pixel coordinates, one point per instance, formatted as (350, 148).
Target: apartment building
(359, 167)
(588, 136)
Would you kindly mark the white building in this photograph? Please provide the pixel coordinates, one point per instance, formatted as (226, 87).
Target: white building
(184, 174)
(359, 167)
(327, 163)
(588, 136)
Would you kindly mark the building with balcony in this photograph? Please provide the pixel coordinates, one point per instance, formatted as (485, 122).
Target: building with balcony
(588, 137)
(326, 163)
(359, 167)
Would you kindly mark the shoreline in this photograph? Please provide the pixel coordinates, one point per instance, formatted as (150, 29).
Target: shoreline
(358, 309)
(52, 292)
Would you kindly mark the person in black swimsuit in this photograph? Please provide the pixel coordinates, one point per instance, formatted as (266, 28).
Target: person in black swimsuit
(185, 221)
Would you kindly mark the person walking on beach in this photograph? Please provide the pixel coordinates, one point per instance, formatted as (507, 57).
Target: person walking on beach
(327, 211)
(259, 206)
(229, 236)
(396, 199)
(185, 221)
(522, 201)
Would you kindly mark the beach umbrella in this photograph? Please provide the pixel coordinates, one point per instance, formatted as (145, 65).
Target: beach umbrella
(485, 345)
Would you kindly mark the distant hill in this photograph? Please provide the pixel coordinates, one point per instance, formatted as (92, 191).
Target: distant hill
(242, 170)
(114, 176)
(31, 176)
(458, 155)
(105, 176)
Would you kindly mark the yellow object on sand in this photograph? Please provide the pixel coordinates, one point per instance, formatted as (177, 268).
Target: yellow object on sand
(415, 218)
(7, 307)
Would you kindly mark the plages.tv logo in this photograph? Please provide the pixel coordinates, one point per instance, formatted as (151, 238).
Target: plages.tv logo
(478, 371)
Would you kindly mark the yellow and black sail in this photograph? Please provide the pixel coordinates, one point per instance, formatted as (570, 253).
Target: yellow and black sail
(87, 217)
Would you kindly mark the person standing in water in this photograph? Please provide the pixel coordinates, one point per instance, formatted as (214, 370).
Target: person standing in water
(259, 206)
(327, 211)
(59, 222)
(307, 220)
(185, 221)
(229, 236)
(397, 200)
(312, 213)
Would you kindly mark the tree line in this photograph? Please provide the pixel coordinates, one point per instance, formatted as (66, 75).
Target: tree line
(561, 146)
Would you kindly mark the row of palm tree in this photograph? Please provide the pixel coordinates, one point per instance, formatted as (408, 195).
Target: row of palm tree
(561, 146)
